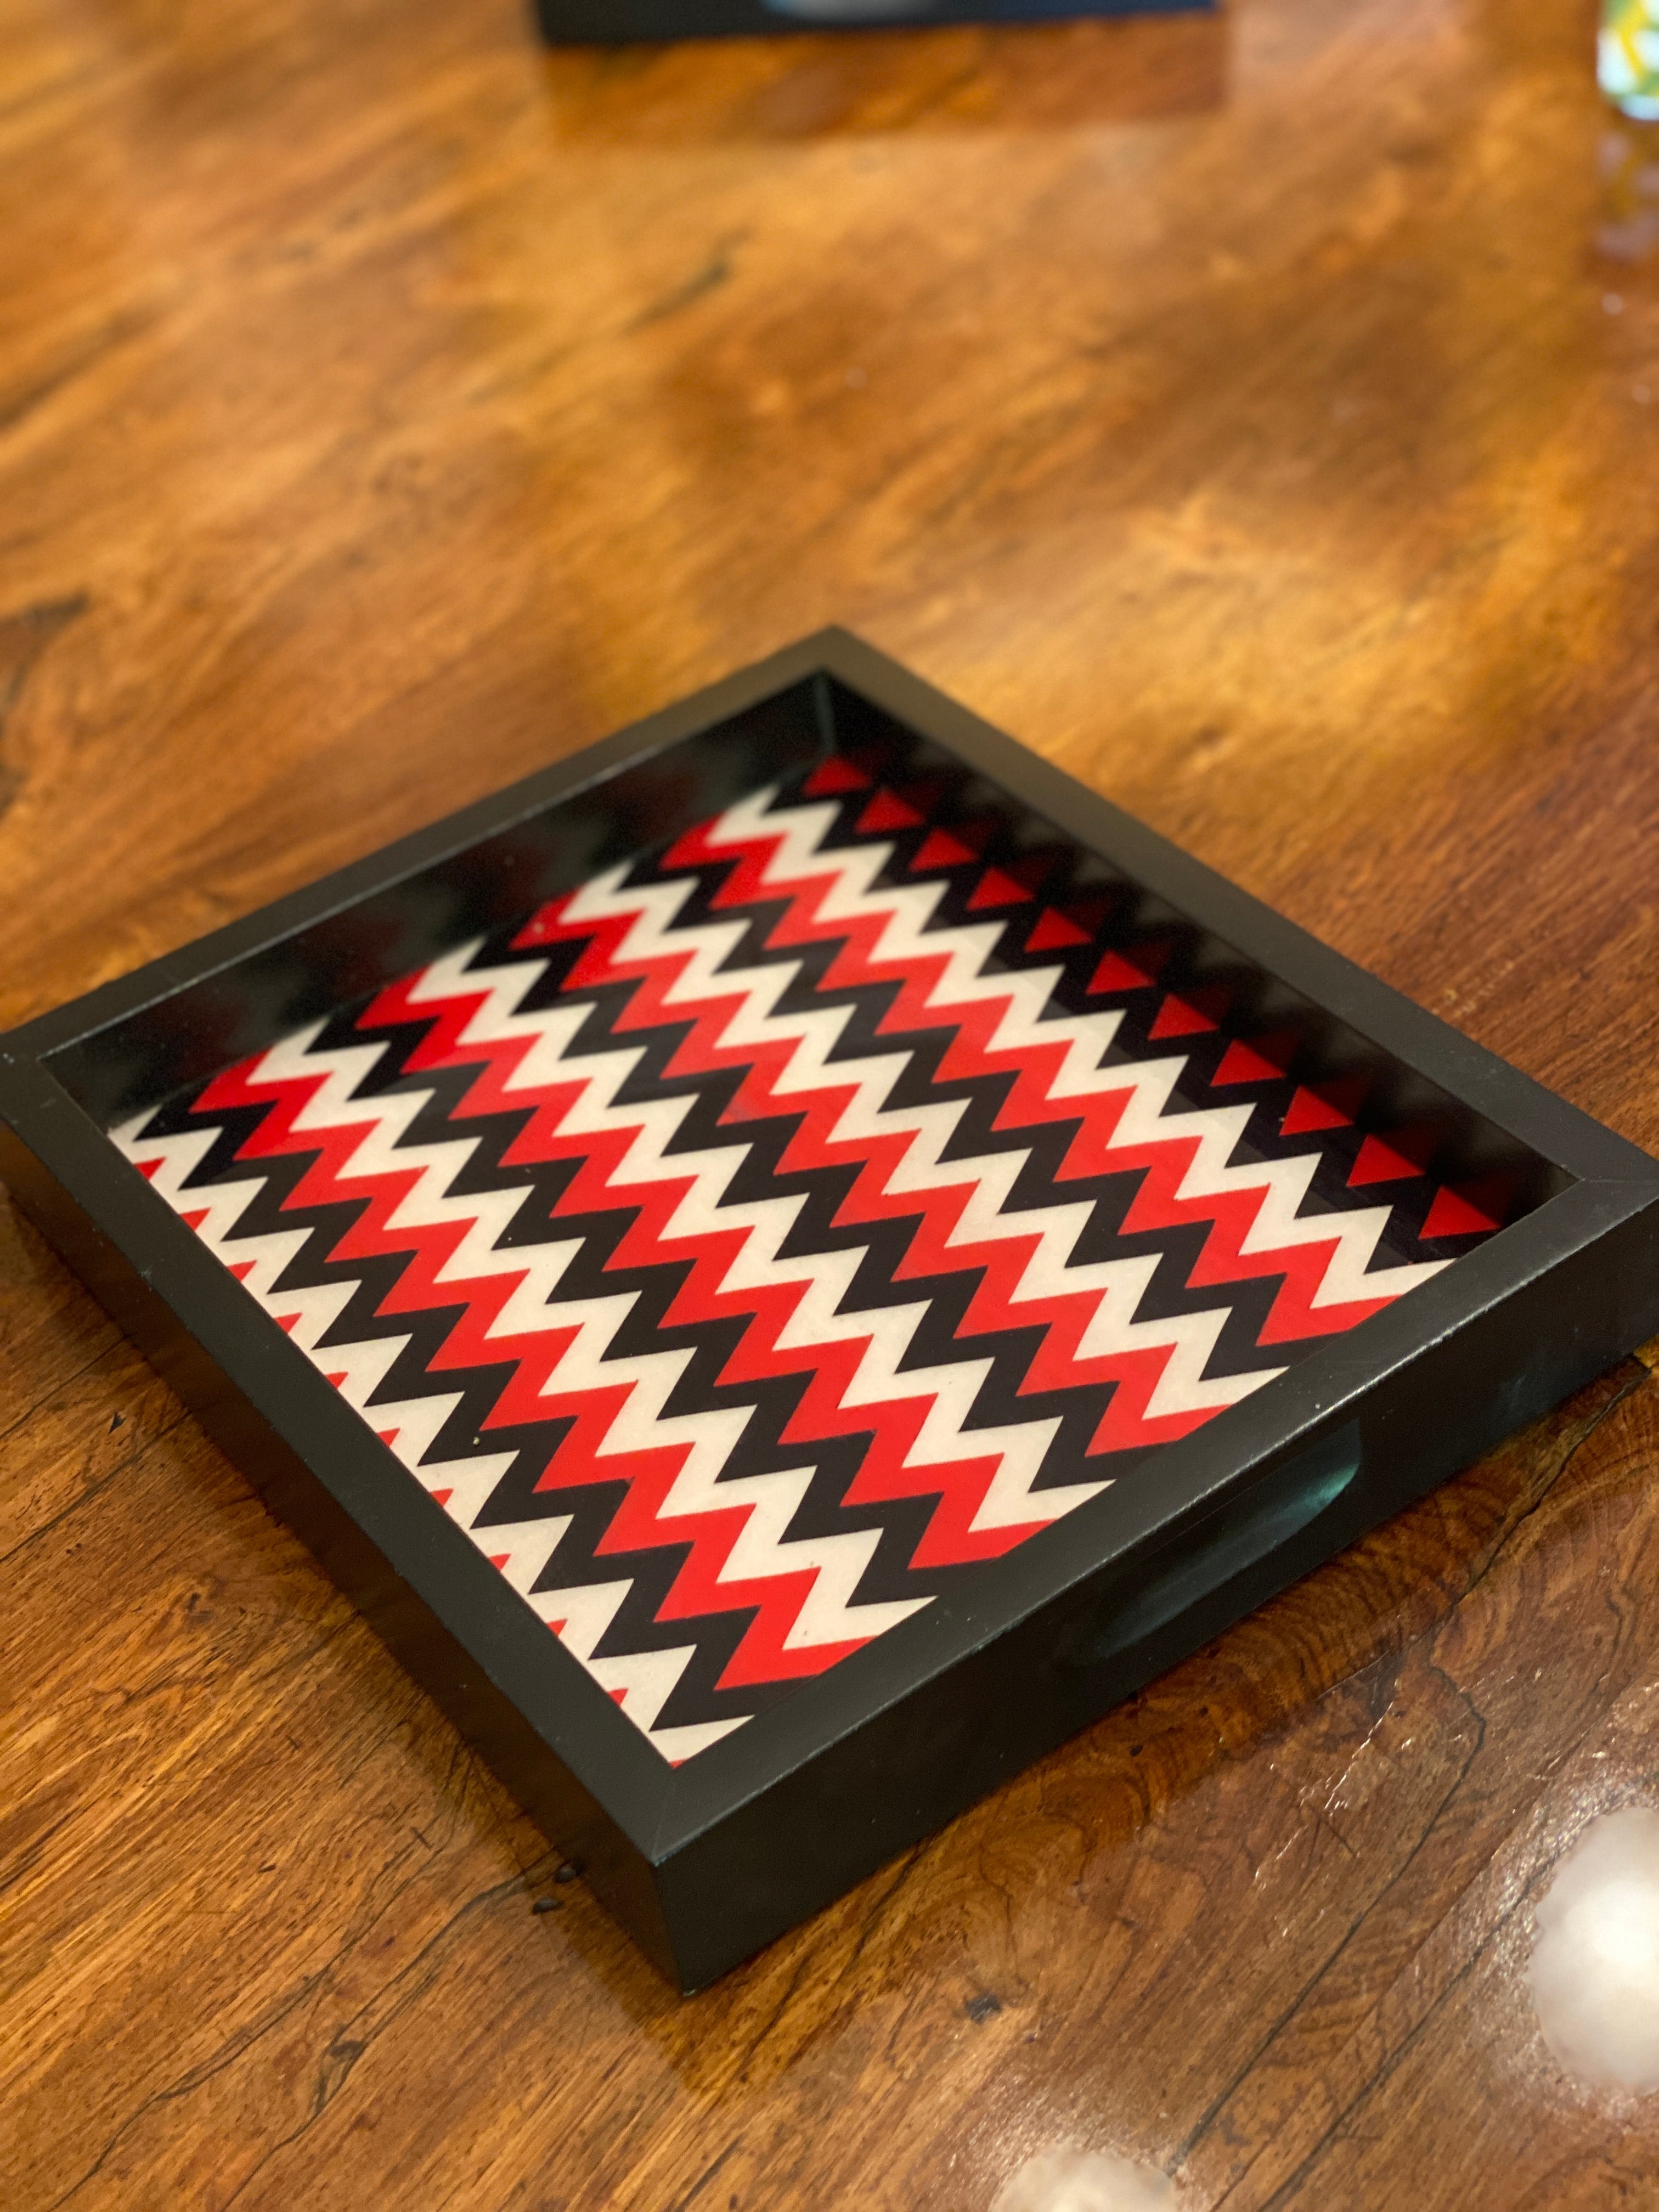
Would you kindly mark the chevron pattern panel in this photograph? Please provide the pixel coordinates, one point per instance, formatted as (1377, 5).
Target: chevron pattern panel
(754, 1241)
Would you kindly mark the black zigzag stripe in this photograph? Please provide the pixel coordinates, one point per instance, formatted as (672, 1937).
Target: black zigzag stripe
(646, 1620)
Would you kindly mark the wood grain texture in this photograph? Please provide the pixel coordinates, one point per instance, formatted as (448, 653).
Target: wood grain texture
(1258, 415)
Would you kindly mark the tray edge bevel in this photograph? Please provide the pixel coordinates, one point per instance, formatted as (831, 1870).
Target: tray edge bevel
(1616, 1183)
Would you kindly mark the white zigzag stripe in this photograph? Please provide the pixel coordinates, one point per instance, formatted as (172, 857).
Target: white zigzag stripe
(1148, 1083)
(522, 1550)
(534, 1304)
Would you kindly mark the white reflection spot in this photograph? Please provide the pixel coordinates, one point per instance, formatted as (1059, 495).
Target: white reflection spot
(1595, 1970)
(1083, 2181)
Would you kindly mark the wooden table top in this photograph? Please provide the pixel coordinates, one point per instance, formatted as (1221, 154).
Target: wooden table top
(1257, 415)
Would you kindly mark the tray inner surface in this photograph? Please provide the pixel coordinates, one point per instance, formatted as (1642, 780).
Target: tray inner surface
(746, 1244)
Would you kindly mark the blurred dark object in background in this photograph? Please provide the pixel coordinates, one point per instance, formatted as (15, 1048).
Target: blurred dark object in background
(610, 22)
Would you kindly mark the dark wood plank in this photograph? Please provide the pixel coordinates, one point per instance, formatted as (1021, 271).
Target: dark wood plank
(1249, 413)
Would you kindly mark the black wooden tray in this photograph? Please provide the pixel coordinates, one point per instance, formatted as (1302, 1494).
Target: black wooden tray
(601, 22)
(792, 1259)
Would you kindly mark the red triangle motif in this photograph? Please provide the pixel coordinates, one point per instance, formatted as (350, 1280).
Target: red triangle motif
(437, 1497)
(1308, 1110)
(887, 812)
(1452, 1215)
(1179, 1017)
(287, 1321)
(996, 888)
(242, 1269)
(390, 1436)
(939, 849)
(1240, 1064)
(832, 775)
(147, 1168)
(336, 1380)
(1380, 1162)
(1115, 973)
(1052, 930)
(195, 1220)
(1326, 1105)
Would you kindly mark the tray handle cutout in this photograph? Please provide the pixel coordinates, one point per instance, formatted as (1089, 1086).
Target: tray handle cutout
(1240, 1535)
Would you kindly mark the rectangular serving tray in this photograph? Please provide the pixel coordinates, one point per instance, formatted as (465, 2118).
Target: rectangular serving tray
(609, 22)
(790, 1260)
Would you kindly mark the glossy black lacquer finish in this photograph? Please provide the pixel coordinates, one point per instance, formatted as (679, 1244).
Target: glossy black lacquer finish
(706, 1861)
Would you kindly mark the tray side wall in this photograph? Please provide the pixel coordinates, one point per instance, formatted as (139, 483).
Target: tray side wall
(793, 1849)
(569, 823)
(1535, 1116)
(737, 1867)
(486, 1717)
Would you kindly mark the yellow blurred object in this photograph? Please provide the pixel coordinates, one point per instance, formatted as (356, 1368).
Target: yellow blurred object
(1628, 65)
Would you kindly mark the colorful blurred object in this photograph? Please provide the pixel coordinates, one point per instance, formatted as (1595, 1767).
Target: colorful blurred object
(1629, 61)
